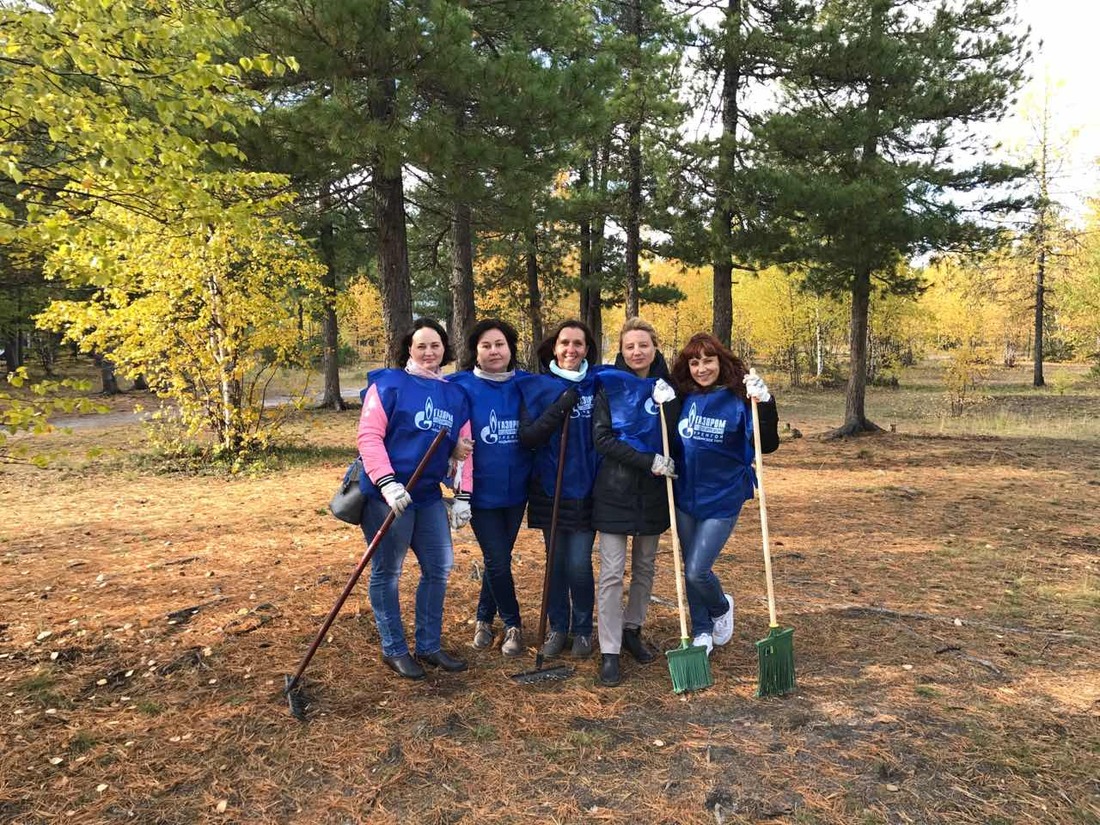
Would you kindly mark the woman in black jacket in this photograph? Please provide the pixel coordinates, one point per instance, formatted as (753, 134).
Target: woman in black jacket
(629, 497)
(563, 394)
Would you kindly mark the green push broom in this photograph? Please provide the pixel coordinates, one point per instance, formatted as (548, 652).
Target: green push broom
(688, 665)
(776, 650)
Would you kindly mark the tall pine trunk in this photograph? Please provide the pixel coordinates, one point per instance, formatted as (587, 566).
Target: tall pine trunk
(722, 219)
(463, 310)
(330, 333)
(534, 307)
(632, 216)
(855, 419)
(389, 214)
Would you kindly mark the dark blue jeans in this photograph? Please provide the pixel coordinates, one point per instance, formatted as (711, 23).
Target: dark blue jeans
(572, 597)
(426, 530)
(496, 530)
(701, 540)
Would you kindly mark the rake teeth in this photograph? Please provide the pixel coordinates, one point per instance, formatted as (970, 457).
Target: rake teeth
(558, 673)
(298, 701)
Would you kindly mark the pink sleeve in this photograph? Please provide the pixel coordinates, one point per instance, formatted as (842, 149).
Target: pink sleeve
(468, 465)
(372, 430)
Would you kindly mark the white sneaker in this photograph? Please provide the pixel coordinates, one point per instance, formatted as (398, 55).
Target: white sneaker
(704, 640)
(723, 625)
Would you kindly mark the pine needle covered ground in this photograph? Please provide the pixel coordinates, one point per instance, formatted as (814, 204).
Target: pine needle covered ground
(944, 590)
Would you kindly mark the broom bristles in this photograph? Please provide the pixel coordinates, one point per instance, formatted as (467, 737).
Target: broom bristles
(689, 667)
(776, 654)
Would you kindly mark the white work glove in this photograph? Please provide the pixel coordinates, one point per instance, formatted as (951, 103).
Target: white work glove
(662, 392)
(756, 388)
(460, 513)
(454, 472)
(396, 496)
(663, 466)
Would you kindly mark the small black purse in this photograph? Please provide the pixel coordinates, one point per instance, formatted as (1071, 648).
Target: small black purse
(347, 503)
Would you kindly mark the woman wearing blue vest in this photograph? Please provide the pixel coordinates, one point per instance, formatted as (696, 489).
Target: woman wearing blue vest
(715, 476)
(403, 410)
(503, 473)
(565, 392)
(629, 498)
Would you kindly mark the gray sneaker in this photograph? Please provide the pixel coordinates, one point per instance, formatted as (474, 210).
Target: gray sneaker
(513, 642)
(483, 635)
(582, 647)
(555, 644)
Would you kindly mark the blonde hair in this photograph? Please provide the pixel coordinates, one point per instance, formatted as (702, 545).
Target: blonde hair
(637, 324)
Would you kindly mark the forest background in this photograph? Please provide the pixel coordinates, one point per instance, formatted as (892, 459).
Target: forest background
(198, 194)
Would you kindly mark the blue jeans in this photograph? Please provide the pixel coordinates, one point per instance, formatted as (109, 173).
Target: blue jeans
(572, 597)
(496, 530)
(701, 540)
(426, 530)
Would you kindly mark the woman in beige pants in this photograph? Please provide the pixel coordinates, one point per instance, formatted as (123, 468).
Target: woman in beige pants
(629, 498)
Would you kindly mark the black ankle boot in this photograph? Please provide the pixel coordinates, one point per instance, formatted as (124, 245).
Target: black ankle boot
(609, 670)
(633, 644)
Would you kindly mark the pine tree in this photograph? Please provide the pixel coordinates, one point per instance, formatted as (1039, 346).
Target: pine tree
(870, 156)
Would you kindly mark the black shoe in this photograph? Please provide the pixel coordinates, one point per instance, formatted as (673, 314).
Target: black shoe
(404, 665)
(442, 659)
(609, 670)
(633, 644)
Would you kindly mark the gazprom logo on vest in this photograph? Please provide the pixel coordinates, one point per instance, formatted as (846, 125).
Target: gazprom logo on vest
(503, 430)
(701, 427)
(583, 409)
(433, 418)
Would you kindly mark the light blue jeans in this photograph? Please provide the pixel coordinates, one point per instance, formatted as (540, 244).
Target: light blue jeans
(701, 540)
(426, 530)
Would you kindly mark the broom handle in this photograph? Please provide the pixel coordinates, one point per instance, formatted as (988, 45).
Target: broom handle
(763, 509)
(675, 534)
(551, 546)
(367, 555)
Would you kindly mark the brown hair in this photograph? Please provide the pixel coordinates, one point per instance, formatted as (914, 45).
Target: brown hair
(731, 370)
(546, 348)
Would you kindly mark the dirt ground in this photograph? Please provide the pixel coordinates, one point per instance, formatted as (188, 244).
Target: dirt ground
(944, 591)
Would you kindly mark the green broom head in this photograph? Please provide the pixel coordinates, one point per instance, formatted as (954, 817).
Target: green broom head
(689, 667)
(776, 653)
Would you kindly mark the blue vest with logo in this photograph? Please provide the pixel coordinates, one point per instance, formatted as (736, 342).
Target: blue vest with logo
(635, 419)
(502, 467)
(417, 408)
(581, 459)
(715, 472)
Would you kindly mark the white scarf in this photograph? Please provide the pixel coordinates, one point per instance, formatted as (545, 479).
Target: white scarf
(412, 368)
(569, 375)
(494, 376)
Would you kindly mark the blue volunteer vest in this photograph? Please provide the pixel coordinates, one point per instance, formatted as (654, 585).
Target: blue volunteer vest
(417, 408)
(635, 418)
(502, 468)
(715, 473)
(581, 459)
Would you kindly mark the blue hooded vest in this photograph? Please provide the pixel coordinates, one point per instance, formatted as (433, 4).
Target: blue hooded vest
(715, 472)
(502, 469)
(635, 418)
(417, 408)
(581, 459)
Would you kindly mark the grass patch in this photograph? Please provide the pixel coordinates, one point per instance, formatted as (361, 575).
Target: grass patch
(41, 690)
(149, 707)
(82, 741)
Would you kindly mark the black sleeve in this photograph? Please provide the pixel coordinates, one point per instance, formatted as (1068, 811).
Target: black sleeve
(606, 442)
(533, 433)
(769, 425)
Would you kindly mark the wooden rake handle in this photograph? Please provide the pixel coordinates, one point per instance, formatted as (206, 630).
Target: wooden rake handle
(763, 509)
(676, 560)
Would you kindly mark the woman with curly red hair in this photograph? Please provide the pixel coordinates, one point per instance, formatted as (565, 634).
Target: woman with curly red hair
(715, 476)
